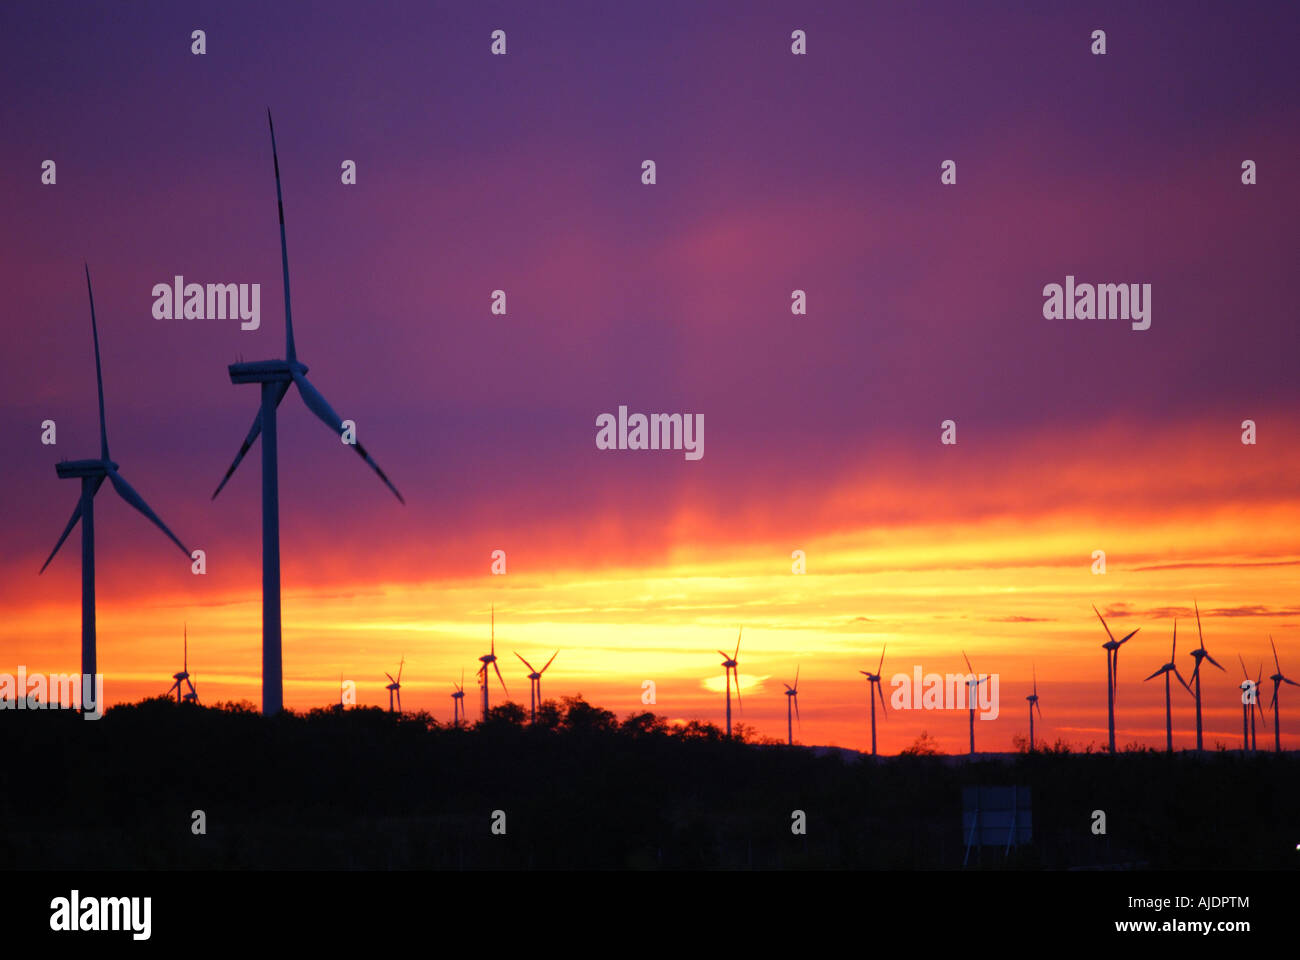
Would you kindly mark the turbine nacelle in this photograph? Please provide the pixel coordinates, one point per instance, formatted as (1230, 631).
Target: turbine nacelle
(68, 469)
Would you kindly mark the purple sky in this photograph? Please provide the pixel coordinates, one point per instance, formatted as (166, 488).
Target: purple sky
(521, 172)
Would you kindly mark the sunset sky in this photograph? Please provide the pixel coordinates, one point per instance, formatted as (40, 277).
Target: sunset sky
(774, 173)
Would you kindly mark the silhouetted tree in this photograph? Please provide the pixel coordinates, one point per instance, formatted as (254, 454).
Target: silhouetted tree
(581, 716)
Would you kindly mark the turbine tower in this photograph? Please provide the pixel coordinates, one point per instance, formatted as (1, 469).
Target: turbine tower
(1200, 654)
(184, 676)
(972, 690)
(535, 685)
(490, 659)
(1033, 705)
(276, 377)
(1249, 705)
(792, 697)
(1111, 647)
(458, 700)
(873, 688)
(1278, 680)
(395, 686)
(729, 666)
(92, 474)
(1167, 669)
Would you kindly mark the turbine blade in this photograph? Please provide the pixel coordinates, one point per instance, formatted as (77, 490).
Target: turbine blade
(969, 668)
(253, 432)
(882, 659)
(884, 709)
(1242, 661)
(399, 669)
(320, 406)
(737, 653)
(1039, 708)
(290, 352)
(724, 656)
(389, 676)
(736, 671)
(1277, 666)
(499, 677)
(796, 676)
(76, 515)
(1213, 661)
(526, 663)
(1198, 624)
(796, 709)
(127, 493)
(1103, 622)
(548, 662)
(1290, 681)
(1174, 649)
(99, 376)
(1126, 639)
(1163, 669)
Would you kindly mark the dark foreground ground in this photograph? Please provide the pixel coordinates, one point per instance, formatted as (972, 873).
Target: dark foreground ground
(364, 789)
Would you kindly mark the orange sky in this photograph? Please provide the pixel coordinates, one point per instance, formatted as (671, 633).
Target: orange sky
(977, 547)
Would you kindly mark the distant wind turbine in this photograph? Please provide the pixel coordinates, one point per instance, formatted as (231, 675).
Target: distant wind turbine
(92, 474)
(792, 697)
(972, 690)
(1200, 654)
(535, 685)
(458, 700)
(731, 666)
(1033, 705)
(1278, 680)
(1111, 647)
(1167, 669)
(490, 659)
(1249, 705)
(395, 686)
(873, 688)
(276, 376)
(184, 675)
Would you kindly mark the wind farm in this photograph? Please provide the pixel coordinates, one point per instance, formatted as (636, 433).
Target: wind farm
(918, 454)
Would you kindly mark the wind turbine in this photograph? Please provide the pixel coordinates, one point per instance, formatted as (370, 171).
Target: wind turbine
(1167, 669)
(873, 688)
(395, 686)
(458, 700)
(276, 376)
(535, 685)
(972, 689)
(490, 659)
(1033, 705)
(792, 697)
(1200, 654)
(92, 474)
(1278, 680)
(1249, 704)
(1111, 647)
(184, 675)
(730, 665)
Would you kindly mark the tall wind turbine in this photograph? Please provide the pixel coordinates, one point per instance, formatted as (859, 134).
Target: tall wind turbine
(1167, 669)
(1111, 647)
(184, 676)
(395, 686)
(1033, 705)
(490, 659)
(731, 666)
(458, 700)
(276, 376)
(792, 697)
(535, 685)
(92, 474)
(1278, 680)
(873, 688)
(972, 690)
(1200, 654)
